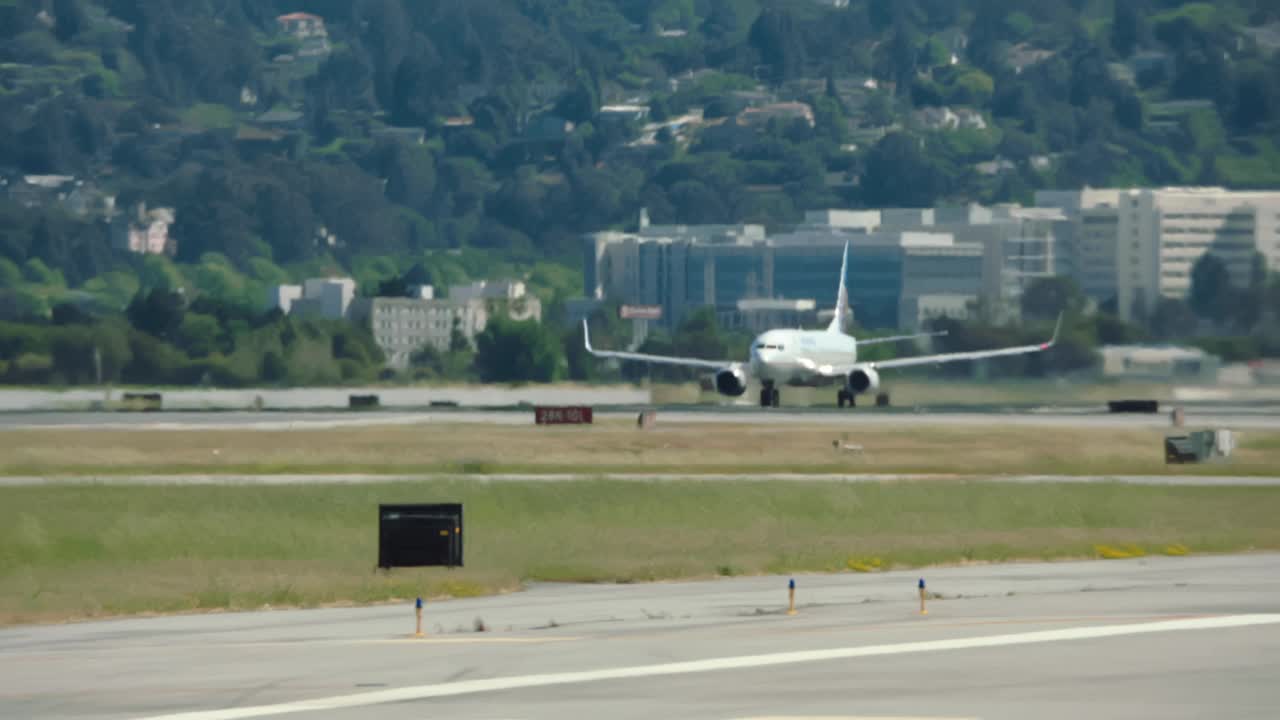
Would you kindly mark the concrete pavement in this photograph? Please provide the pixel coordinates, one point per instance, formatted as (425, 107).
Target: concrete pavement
(1157, 637)
(1212, 416)
(365, 479)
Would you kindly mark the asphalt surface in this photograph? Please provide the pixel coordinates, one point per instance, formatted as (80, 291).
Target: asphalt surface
(1191, 637)
(366, 479)
(1238, 417)
(80, 399)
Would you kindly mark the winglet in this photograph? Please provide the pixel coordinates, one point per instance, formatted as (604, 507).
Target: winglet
(586, 336)
(1054, 340)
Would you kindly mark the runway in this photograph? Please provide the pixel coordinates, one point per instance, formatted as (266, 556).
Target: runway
(367, 479)
(1159, 637)
(1237, 417)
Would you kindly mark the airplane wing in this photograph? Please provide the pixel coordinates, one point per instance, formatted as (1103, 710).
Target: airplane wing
(971, 355)
(644, 357)
(896, 338)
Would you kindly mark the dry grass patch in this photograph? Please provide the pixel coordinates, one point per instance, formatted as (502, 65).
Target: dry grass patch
(616, 446)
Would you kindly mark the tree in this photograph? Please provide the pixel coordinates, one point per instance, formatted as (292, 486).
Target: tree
(157, 312)
(1046, 298)
(1211, 292)
(523, 351)
(898, 173)
(1172, 319)
(1128, 27)
(198, 334)
(777, 38)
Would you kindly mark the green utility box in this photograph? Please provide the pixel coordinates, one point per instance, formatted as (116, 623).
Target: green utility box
(1200, 446)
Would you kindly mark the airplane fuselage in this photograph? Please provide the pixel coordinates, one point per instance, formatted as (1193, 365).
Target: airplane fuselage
(787, 357)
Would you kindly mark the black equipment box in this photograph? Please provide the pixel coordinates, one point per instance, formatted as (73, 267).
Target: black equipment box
(420, 535)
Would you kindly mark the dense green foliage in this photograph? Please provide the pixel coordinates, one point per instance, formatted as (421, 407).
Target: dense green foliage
(284, 162)
(165, 340)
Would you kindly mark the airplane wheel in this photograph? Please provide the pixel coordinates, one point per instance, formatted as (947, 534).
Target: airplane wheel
(882, 400)
(853, 400)
(841, 397)
(775, 397)
(768, 393)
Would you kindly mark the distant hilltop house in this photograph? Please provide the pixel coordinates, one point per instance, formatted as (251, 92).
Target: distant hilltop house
(787, 111)
(309, 30)
(302, 25)
(1022, 56)
(145, 231)
(79, 197)
(944, 118)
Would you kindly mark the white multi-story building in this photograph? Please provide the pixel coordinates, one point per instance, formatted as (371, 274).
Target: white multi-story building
(402, 326)
(1095, 217)
(1150, 239)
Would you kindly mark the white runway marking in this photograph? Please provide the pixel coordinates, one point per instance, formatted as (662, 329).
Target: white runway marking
(467, 687)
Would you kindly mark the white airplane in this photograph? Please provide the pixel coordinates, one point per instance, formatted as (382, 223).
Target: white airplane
(813, 357)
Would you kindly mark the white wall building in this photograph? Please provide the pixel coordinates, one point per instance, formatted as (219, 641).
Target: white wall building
(282, 297)
(327, 297)
(1153, 238)
(1159, 363)
(402, 326)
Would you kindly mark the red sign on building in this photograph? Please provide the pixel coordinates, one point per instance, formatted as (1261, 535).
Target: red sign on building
(640, 312)
(562, 415)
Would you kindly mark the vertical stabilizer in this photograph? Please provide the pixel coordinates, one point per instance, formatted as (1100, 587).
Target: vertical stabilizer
(841, 317)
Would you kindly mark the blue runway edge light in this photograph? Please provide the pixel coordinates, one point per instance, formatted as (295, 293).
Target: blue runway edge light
(792, 584)
(418, 605)
(921, 583)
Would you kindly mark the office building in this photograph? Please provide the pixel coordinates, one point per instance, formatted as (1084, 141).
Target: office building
(1158, 235)
(892, 275)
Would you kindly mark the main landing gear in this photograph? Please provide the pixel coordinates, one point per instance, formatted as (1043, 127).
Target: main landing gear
(769, 396)
(846, 397)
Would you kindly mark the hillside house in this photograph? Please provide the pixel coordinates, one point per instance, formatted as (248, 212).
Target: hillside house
(302, 25)
(944, 118)
(785, 112)
(310, 32)
(145, 231)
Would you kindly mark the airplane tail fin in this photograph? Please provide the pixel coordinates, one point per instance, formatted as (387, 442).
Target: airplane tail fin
(841, 317)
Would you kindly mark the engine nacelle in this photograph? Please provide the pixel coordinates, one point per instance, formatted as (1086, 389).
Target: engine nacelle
(864, 380)
(731, 382)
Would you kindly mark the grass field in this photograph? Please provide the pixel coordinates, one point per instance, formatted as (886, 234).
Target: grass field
(93, 550)
(617, 446)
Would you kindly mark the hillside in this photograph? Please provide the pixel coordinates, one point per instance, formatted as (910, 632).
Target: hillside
(472, 138)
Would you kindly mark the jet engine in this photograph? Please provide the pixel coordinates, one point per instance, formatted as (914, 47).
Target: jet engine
(731, 382)
(864, 380)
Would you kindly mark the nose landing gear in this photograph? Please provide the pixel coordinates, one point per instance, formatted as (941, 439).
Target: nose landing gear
(769, 396)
